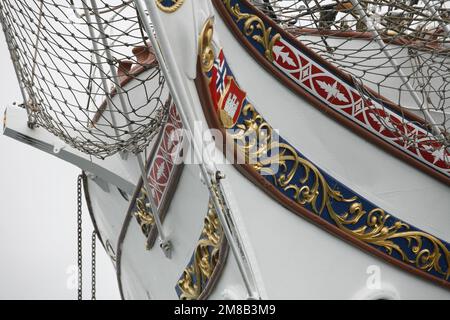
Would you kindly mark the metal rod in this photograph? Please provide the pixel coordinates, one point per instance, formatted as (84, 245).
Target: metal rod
(100, 66)
(36, 46)
(382, 45)
(165, 244)
(113, 71)
(184, 103)
(433, 11)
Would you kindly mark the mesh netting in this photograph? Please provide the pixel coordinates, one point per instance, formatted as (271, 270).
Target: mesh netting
(76, 59)
(410, 66)
(87, 72)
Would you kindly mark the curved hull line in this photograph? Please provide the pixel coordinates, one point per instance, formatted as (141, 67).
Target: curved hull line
(200, 276)
(334, 91)
(309, 192)
(163, 173)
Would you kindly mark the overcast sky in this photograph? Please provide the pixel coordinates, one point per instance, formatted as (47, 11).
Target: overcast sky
(38, 218)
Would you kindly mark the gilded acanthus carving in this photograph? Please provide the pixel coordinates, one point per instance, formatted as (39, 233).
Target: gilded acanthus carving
(255, 27)
(310, 188)
(142, 212)
(206, 51)
(209, 251)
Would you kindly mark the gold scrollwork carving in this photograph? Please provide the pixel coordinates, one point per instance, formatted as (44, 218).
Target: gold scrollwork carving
(176, 4)
(206, 259)
(206, 50)
(375, 227)
(252, 24)
(142, 213)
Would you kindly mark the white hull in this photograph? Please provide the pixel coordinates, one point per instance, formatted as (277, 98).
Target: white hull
(287, 256)
(292, 258)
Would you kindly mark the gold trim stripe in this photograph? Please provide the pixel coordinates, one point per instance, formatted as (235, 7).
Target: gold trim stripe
(169, 9)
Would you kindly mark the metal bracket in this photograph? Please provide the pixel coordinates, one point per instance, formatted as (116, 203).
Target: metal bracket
(58, 146)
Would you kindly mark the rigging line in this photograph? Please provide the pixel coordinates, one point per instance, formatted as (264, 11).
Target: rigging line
(378, 39)
(324, 39)
(119, 8)
(38, 35)
(436, 14)
(141, 26)
(100, 67)
(17, 68)
(33, 107)
(111, 60)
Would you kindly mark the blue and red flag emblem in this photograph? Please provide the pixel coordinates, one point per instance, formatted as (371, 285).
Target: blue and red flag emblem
(227, 97)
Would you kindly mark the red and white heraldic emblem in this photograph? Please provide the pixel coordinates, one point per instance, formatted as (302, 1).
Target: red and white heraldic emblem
(226, 95)
(230, 103)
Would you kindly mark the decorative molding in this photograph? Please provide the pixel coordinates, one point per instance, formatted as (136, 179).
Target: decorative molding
(305, 184)
(203, 271)
(308, 191)
(206, 49)
(142, 213)
(164, 170)
(255, 28)
(335, 92)
(169, 6)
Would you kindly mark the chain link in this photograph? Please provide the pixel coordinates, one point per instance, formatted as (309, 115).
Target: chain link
(93, 283)
(79, 239)
(80, 248)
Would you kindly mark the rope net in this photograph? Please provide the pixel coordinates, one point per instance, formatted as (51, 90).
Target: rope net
(87, 71)
(400, 49)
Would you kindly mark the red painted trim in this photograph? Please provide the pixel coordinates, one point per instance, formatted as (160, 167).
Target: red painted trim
(317, 103)
(328, 65)
(247, 170)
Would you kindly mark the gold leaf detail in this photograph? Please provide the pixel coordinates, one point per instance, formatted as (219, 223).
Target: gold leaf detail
(169, 9)
(255, 27)
(206, 51)
(254, 141)
(142, 213)
(206, 258)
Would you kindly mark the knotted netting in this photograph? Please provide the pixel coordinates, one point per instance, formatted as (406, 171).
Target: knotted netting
(87, 72)
(398, 48)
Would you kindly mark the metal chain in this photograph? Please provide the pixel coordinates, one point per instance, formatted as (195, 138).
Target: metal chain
(79, 239)
(93, 283)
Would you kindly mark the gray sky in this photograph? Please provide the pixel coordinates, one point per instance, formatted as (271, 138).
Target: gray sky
(38, 218)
